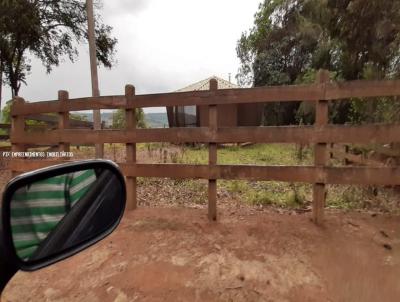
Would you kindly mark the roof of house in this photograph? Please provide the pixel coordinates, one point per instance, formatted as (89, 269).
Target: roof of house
(205, 85)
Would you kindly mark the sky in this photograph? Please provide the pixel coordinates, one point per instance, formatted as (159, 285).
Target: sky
(162, 46)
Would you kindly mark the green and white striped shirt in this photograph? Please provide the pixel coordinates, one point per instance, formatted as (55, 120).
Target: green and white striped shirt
(36, 209)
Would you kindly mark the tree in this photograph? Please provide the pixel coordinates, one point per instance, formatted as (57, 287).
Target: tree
(119, 119)
(277, 51)
(1, 81)
(48, 30)
(292, 39)
(6, 116)
(6, 113)
(78, 117)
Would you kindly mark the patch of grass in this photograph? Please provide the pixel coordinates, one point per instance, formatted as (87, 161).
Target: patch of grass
(5, 144)
(363, 197)
(269, 193)
(199, 189)
(279, 194)
(258, 154)
(256, 193)
(235, 186)
(344, 197)
(151, 146)
(259, 198)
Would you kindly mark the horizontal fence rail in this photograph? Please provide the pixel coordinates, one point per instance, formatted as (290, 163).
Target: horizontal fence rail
(321, 134)
(285, 134)
(330, 91)
(302, 174)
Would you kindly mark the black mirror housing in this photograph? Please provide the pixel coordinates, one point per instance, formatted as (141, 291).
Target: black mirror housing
(87, 222)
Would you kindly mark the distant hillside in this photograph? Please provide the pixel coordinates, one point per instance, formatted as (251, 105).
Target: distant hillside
(153, 120)
(104, 116)
(156, 120)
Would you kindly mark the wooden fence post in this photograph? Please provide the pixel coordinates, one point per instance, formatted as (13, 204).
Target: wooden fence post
(130, 120)
(63, 121)
(346, 151)
(17, 129)
(320, 151)
(212, 156)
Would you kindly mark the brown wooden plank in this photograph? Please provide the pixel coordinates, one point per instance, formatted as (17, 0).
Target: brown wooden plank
(89, 103)
(130, 120)
(75, 136)
(342, 90)
(362, 175)
(319, 195)
(229, 172)
(174, 135)
(276, 173)
(212, 155)
(165, 170)
(63, 120)
(222, 96)
(25, 165)
(297, 134)
(5, 126)
(231, 96)
(17, 129)
(320, 154)
(312, 92)
(308, 134)
(339, 153)
(304, 174)
(320, 150)
(386, 151)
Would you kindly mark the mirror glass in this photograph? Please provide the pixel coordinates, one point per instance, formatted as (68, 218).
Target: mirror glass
(49, 216)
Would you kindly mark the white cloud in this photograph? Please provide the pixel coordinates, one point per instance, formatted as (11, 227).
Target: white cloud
(121, 7)
(163, 46)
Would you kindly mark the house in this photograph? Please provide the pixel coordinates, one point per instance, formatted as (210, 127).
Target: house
(230, 115)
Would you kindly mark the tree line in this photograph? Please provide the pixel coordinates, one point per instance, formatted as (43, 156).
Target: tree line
(48, 30)
(353, 39)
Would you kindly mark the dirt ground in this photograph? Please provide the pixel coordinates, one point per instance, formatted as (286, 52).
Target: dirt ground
(175, 254)
(167, 250)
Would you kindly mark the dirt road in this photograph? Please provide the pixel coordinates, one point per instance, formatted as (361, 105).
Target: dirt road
(175, 254)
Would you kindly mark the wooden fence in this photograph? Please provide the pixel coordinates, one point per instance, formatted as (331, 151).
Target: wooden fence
(319, 134)
(377, 156)
(50, 122)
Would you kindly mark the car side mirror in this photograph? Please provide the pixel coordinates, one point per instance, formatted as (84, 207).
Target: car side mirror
(51, 214)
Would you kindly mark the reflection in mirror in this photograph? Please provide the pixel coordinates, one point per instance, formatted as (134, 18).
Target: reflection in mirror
(51, 215)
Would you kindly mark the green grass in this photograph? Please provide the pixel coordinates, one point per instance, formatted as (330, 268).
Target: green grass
(5, 144)
(258, 193)
(281, 194)
(259, 154)
(263, 193)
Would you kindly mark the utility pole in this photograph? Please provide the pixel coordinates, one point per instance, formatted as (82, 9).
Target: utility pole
(93, 70)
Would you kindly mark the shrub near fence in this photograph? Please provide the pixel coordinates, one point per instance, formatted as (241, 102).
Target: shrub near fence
(320, 134)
